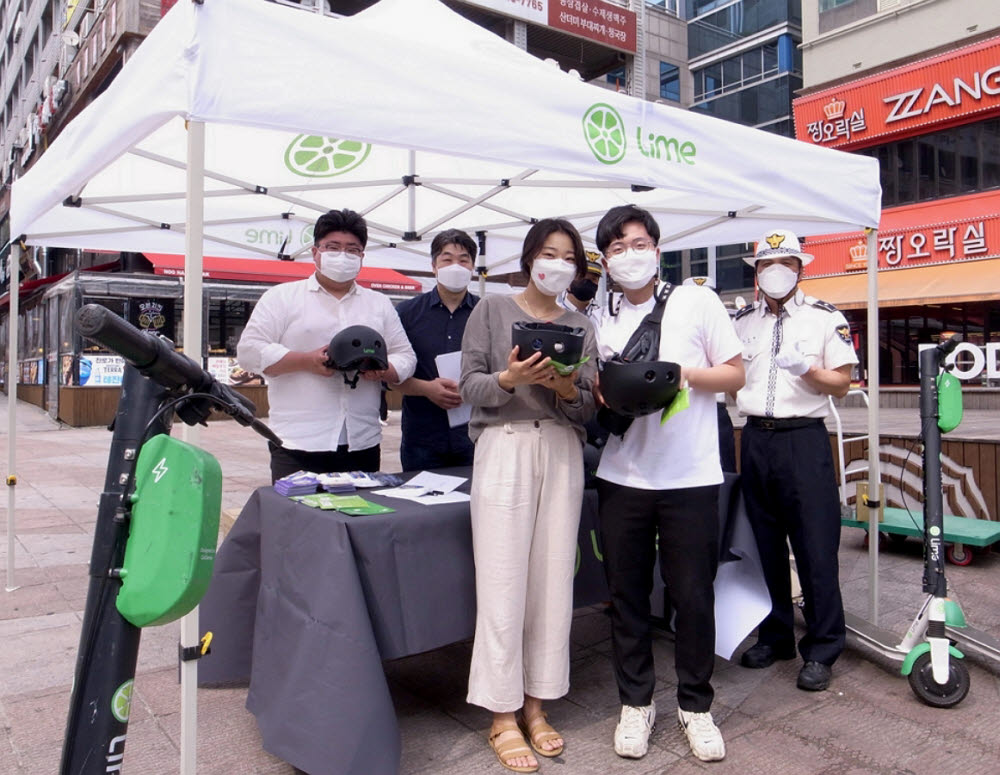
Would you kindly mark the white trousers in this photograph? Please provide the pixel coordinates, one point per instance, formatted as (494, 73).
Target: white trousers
(527, 490)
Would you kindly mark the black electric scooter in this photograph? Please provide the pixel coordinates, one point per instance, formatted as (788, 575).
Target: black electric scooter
(157, 382)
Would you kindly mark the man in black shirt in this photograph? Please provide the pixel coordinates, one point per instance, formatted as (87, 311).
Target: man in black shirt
(435, 322)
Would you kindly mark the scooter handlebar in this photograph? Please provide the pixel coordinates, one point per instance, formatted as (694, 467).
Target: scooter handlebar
(155, 357)
(947, 346)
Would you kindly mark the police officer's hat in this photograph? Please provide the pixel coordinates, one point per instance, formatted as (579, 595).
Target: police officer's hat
(594, 267)
(777, 243)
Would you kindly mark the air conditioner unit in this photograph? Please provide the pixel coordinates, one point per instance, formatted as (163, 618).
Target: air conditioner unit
(886, 5)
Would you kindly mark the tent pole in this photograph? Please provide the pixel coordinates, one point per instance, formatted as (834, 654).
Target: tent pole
(411, 193)
(874, 472)
(193, 261)
(13, 283)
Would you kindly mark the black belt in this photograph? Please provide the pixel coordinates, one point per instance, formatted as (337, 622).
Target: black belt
(783, 423)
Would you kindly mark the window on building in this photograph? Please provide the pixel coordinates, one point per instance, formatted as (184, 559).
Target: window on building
(670, 6)
(670, 82)
(671, 267)
(826, 5)
(960, 160)
(617, 77)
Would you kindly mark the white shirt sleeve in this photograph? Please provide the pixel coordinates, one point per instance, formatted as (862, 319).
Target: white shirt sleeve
(399, 350)
(259, 346)
(838, 348)
(721, 341)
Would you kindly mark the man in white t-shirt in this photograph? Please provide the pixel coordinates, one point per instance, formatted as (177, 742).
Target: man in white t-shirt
(664, 478)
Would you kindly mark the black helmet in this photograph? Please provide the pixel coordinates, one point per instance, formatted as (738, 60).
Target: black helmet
(357, 348)
(637, 389)
(563, 344)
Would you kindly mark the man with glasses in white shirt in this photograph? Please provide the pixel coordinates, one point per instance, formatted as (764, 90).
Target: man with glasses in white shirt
(658, 486)
(326, 424)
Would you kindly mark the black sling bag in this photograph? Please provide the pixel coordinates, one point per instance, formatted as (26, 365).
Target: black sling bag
(643, 345)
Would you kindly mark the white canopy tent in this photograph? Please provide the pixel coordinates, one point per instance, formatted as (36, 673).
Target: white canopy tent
(237, 122)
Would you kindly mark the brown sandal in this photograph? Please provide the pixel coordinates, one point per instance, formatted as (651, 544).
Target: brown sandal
(510, 748)
(539, 732)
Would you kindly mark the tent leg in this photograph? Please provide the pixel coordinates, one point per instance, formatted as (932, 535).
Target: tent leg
(874, 471)
(193, 261)
(14, 270)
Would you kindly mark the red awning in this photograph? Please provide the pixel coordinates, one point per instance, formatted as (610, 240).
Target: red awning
(264, 270)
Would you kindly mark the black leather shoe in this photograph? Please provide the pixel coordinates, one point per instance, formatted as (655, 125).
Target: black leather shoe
(761, 655)
(814, 677)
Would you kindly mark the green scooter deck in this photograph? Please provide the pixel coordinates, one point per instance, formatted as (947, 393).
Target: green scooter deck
(957, 530)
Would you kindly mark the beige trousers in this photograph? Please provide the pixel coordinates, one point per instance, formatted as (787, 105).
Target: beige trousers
(527, 490)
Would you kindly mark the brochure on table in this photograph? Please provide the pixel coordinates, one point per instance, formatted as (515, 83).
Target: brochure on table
(430, 489)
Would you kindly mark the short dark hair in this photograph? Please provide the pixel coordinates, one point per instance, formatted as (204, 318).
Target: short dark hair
(534, 241)
(453, 237)
(612, 225)
(341, 220)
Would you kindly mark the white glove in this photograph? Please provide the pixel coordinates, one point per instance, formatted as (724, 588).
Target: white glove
(792, 360)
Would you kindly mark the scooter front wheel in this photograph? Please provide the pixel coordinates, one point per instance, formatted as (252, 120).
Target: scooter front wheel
(937, 695)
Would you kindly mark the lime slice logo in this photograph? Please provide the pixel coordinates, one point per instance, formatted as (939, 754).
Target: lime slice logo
(121, 702)
(312, 156)
(604, 131)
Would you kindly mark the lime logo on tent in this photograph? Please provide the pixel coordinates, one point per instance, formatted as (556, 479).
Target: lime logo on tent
(312, 156)
(604, 132)
(121, 702)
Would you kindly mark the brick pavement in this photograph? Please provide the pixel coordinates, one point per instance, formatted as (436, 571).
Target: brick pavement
(868, 722)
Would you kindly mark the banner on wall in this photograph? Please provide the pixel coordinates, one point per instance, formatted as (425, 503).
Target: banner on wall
(228, 372)
(101, 370)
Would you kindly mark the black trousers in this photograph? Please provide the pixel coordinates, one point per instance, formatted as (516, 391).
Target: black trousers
(288, 461)
(790, 492)
(688, 527)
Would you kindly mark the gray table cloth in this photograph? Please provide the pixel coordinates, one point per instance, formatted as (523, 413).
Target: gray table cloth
(305, 604)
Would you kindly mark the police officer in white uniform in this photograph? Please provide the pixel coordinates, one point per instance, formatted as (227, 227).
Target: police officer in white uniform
(797, 350)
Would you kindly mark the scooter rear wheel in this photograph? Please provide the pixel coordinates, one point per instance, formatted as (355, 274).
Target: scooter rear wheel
(937, 695)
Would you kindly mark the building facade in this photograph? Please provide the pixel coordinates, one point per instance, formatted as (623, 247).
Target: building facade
(915, 84)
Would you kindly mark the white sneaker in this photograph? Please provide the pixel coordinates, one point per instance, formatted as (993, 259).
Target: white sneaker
(632, 732)
(702, 734)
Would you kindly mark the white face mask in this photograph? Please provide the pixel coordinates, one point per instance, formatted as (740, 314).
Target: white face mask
(634, 268)
(454, 277)
(339, 267)
(777, 280)
(552, 276)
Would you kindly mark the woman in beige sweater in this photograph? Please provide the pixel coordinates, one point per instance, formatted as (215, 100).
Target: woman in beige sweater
(527, 489)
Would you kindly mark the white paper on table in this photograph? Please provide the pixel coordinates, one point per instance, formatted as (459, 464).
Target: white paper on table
(422, 495)
(432, 481)
(449, 366)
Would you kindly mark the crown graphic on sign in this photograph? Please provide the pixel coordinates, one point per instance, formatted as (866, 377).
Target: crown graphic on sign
(859, 252)
(834, 108)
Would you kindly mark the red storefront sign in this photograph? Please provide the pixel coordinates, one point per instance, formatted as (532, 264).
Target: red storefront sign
(595, 20)
(919, 97)
(944, 231)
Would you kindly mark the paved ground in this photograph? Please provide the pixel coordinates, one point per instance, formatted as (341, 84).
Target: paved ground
(868, 722)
